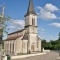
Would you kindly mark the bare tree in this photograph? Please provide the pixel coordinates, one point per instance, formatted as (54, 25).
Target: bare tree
(3, 19)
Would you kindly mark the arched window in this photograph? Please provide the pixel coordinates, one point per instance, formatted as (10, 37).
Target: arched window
(33, 22)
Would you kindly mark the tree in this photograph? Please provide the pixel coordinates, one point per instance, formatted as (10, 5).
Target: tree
(43, 43)
(3, 19)
(59, 36)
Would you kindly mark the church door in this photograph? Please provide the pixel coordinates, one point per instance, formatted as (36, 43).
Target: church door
(32, 48)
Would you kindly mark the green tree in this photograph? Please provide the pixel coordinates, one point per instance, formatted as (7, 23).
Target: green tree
(59, 36)
(43, 43)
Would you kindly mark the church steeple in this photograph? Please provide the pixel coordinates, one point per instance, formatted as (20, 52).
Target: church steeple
(30, 9)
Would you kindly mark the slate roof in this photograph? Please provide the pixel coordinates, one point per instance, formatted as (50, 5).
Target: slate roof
(30, 9)
(16, 32)
(25, 37)
(13, 38)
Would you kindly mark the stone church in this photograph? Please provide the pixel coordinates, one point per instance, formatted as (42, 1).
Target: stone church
(25, 40)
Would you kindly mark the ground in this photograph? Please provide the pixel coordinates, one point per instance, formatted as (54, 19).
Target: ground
(49, 56)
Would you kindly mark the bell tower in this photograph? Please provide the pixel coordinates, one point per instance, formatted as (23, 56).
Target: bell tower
(31, 26)
(31, 18)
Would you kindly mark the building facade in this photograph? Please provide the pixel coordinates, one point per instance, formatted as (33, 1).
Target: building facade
(25, 40)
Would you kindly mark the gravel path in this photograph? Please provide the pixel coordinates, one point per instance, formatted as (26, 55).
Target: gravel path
(49, 56)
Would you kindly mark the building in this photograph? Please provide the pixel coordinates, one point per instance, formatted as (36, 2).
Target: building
(25, 40)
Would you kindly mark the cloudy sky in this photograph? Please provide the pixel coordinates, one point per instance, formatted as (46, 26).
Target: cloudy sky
(48, 16)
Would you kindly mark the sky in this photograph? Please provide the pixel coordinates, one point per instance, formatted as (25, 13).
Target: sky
(48, 12)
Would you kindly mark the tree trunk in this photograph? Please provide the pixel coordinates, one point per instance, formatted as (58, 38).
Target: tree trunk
(0, 39)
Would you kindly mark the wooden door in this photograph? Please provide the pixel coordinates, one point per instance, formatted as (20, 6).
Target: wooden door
(32, 48)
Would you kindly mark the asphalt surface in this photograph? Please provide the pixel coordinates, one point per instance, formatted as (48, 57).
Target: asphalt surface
(49, 56)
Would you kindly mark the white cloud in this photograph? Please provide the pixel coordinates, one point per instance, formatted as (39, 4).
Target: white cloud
(12, 27)
(51, 7)
(39, 7)
(41, 30)
(55, 24)
(47, 12)
(59, 18)
(47, 15)
(16, 24)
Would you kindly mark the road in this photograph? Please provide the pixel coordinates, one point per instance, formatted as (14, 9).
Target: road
(49, 56)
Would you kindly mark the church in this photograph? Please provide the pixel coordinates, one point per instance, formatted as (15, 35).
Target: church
(26, 40)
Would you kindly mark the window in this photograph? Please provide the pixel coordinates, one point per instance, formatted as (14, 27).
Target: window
(33, 22)
(10, 47)
(13, 47)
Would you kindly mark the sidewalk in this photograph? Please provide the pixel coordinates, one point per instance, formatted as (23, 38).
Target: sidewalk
(24, 56)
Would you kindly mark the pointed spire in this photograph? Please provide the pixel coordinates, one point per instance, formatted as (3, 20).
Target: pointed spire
(30, 8)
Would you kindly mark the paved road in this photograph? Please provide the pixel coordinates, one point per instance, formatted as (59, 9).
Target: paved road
(49, 56)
